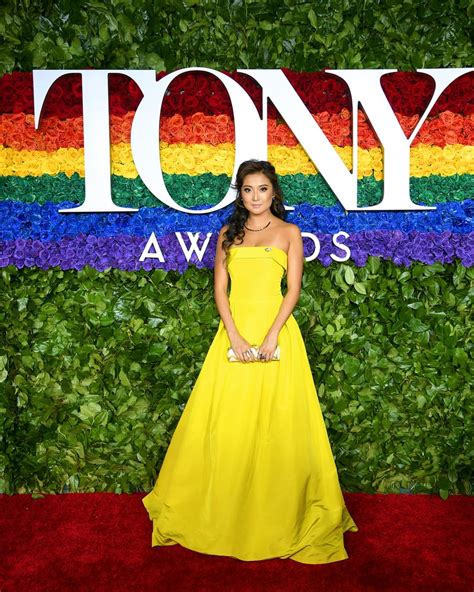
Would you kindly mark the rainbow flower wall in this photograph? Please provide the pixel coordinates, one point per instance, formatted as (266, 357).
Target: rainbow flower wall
(101, 351)
(43, 172)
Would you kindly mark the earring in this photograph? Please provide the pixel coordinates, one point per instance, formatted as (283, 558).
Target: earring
(240, 202)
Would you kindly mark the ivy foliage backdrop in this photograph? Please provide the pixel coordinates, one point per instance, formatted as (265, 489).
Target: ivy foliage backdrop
(173, 34)
(97, 366)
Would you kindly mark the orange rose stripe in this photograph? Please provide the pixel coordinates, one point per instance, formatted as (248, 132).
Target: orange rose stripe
(17, 130)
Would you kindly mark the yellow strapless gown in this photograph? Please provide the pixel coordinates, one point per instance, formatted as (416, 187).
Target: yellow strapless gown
(249, 471)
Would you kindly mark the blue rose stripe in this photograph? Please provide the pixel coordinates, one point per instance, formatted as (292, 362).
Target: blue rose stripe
(123, 251)
(43, 222)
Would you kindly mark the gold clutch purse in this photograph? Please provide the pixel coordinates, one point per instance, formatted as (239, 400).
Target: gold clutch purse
(233, 358)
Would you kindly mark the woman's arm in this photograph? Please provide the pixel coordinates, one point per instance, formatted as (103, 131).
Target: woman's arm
(294, 275)
(221, 280)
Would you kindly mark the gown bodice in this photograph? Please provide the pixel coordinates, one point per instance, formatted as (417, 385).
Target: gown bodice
(256, 273)
(255, 292)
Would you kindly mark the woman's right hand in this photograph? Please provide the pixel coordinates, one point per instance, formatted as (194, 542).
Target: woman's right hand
(242, 349)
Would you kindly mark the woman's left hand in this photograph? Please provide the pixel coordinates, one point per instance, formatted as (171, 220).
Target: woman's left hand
(268, 347)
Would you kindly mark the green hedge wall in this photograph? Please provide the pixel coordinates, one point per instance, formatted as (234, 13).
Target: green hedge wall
(97, 367)
(173, 34)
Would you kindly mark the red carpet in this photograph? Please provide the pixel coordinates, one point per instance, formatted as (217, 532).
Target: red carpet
(101, 541)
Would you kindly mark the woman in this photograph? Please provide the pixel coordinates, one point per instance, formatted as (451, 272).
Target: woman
(249, 471)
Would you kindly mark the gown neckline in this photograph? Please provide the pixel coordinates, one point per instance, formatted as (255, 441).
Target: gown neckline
(259, 247)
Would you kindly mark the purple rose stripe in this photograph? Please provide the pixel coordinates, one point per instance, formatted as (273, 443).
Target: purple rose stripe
(123, 251)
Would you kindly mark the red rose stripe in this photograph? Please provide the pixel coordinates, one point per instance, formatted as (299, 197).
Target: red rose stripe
(407, 92)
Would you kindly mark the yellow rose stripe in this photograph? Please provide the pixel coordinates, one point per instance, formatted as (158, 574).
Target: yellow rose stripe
(198, 159)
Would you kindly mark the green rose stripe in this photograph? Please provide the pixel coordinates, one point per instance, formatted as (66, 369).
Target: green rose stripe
(209, 189)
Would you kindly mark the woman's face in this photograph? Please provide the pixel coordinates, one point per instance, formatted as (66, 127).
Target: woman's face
(257, 193)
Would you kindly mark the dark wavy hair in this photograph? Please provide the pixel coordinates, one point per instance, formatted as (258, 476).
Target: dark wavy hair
(240, 214)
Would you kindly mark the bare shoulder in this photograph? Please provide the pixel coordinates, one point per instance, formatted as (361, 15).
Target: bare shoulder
(222, 231)
(292, 233)
(293, 230)
(287, 229)
(220, 258)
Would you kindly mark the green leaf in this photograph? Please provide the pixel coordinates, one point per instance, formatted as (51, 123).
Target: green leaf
(348, 275)
(89, 410)
(244, 58)
(124, 379)
(312, 18)
(421, 400)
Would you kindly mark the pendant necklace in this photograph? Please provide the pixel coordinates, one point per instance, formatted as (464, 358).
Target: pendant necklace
(258, 229)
